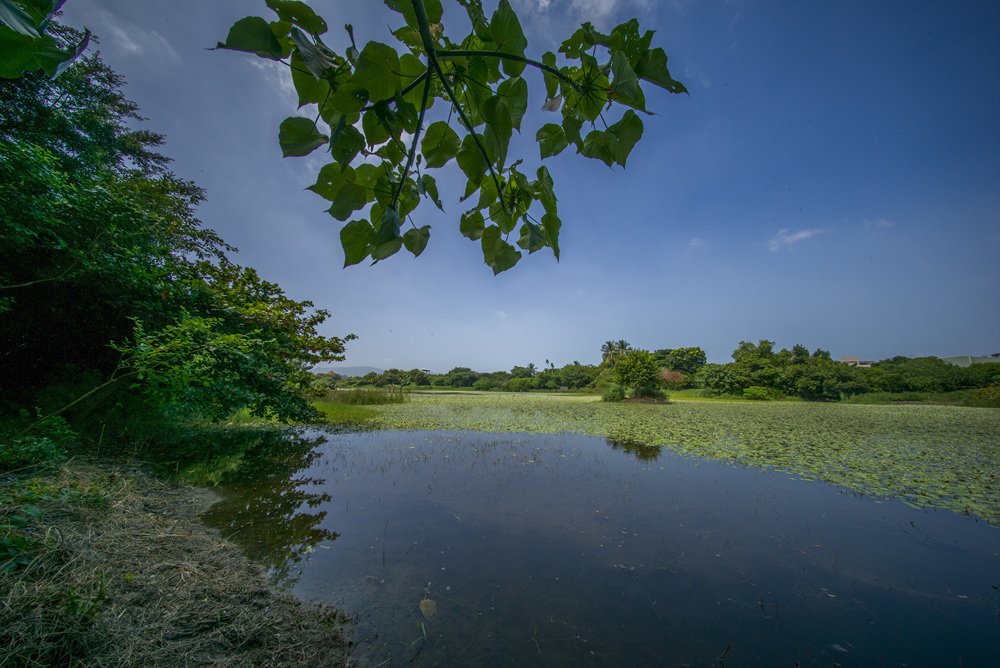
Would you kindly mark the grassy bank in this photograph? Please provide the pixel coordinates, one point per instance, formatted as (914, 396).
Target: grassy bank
(936, 456)
(107, 566)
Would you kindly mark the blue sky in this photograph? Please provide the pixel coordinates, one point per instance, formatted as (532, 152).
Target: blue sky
(833, 179)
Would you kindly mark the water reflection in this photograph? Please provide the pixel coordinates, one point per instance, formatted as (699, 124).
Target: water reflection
(640, 451)
(561, 550)
(270, 506)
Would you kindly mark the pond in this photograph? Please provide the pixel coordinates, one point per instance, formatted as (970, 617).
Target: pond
(469, 548)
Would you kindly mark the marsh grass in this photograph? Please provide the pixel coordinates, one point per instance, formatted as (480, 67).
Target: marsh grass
(928, 456)
(120, 572)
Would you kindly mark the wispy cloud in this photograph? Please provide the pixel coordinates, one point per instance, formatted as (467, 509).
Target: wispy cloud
(276, 75)
(786, 237)
(696, 242)
(881, 223)
(596, 11)
(136, 41)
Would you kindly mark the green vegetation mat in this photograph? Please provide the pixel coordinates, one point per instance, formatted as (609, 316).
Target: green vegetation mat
(929, 456)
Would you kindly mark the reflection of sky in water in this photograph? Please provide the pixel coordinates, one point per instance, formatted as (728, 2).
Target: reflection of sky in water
(560, 550)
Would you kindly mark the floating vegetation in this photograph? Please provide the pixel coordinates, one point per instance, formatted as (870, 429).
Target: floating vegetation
(929, 456)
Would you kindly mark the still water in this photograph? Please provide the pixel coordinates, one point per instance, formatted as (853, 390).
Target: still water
(570, 550)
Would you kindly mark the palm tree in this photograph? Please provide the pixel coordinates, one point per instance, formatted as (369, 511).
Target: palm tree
(612, 350)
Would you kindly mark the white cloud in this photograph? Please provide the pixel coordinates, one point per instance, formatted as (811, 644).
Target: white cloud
(883, 223)
(696, 242)
(134, 40)
(785, 238)
(276, 75)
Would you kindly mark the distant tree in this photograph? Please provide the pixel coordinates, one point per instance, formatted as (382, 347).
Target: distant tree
(638, 371)
(684, 360)
(612, 350)
(416, 377)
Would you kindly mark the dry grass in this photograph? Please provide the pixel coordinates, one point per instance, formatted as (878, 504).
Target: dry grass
(123, 573)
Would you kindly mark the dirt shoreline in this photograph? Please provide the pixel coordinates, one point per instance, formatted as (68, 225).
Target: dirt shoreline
(123, 572)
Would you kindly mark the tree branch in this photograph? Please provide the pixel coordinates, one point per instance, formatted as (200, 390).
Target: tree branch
(425, 35)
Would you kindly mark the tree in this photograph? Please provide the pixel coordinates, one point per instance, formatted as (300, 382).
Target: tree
(684, 360)
(107, 273)
(638, 371)
(612, 350)
(368, 99)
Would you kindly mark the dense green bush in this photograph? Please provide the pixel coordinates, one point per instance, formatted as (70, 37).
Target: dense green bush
(758, 393)
(985, 397)
(614, 392)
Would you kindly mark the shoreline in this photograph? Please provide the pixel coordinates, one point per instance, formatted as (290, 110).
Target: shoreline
(120, 570)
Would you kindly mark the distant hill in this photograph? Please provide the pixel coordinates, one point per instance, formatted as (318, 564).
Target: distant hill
(347, 370)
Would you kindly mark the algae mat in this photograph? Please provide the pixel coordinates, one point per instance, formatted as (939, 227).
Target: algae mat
(929, 456)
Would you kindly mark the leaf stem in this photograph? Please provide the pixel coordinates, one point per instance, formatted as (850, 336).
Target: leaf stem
(460, 53)
(416, 138)
(425, 35)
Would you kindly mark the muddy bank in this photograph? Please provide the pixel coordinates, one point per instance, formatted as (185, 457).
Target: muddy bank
(107, 566)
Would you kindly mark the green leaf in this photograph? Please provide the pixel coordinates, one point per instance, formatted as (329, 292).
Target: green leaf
(625, 86)
(506, 32)
(299, 136)
(532, 238)
(309, 89)
(331, 179)
(551, 140)
(350, 197)
(544, 190)
(440, 144)
(628, 131)
(387, 249)
(551, 81)
(252, 34)
(356, 237)
(499, 128)
(377, 71)
(571, 125)
(374, 129)
(18, 20)
(515, 93)
(388, 226)
(346, 144)
(652, 67)
(498, 254)
(471, 161)
(299, 13)
(551, 225)
(415, 240)
(428, 186)
(472, 224)
(349, 99)
(601, 146)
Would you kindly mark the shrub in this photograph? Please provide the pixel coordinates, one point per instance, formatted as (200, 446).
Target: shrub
(985, 397)
(369, 396)
(614, 392)
(649, 392)
(758, 393)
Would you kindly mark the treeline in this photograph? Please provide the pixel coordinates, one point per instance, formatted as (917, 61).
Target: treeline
(573, 376)
(757, 371)
(119, 310)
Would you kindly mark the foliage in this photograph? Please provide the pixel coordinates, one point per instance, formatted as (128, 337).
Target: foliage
(683, 360)
(985, 397)
(612, 350)
(758, 393)
(930, 456)
(24, 44)
(638, 371)
(95, 231)
(362, 396)
(614, 392)
(370, 100)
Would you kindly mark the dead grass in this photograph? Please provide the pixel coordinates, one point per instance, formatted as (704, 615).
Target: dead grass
(123, 573)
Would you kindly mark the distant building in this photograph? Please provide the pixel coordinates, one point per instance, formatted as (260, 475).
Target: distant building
(968, 360)
(851, 360)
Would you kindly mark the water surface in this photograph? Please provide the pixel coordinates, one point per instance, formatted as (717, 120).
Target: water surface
(570, 550)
